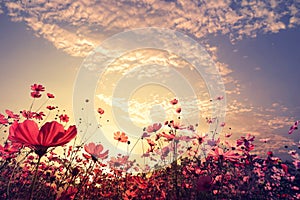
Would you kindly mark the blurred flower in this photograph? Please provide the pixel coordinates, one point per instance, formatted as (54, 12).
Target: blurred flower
(50, 107)
(178, 110)
(120, 136)
(11, 115)
(3, 120)
(51, 134)
(35, 94)
(68, 194)
(100, 111)
(218, 153)
(64, 118)
(37, 88)
(96, 151)
(204, 183)
(27, 114)
(39, 115)
(50, 96)
(294, 127)
(174, 101)
(153, 128)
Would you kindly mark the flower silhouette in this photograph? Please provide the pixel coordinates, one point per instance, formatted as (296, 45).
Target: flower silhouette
(51, 134)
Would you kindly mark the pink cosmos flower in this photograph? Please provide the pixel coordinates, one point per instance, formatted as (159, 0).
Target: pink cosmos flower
(37, 88)
(3, 120)
(10, 114)
(228, 155)
(96, 151)
(51, 134)
(153, 128)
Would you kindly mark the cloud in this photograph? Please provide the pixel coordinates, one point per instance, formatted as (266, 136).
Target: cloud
(93, 21)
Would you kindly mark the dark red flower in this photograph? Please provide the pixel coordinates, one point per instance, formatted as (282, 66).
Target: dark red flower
(51, 134)
(27, 114)
(100, 111)
(39, 116)
(178, 110)
(37, 88)
(50, 96)
(50, 107)
(174, 101)
(204, 183)
(64, 118)
(35, 94)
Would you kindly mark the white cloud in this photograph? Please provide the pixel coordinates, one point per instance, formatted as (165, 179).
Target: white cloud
(93, 21)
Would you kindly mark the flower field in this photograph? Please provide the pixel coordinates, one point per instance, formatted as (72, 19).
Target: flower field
(41, 158)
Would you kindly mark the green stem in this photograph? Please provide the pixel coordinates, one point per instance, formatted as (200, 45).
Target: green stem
(34, 178)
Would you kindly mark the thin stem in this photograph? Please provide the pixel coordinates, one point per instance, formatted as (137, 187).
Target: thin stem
(34, 178)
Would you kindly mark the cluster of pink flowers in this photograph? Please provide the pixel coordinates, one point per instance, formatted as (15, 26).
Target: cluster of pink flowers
(30, 167)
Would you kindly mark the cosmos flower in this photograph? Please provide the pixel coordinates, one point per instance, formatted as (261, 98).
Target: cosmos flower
(51, 134)
(228, 155)
(50, 96)
(120, 136)
(204, 183)
(64, 118)
(100, 111)
(11, 115)
(3, 120)
(37, 88)
(294, 127)
(174, 101)
(153, 128)
(96, 151)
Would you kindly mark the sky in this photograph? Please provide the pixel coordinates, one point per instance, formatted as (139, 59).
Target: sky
(255, 46)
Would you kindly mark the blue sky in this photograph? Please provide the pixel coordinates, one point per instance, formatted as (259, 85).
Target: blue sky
(256, 45)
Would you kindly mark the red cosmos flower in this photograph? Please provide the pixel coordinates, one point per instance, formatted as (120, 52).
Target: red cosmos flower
(174, 101)
(50, 96)
(64, 118)
(51, 134)
(100, 111)
(120, 136)
(96, 151)
(37, 88)
(27, 114)
(39, 116)
(178, 110)
(10, 114)
(50, 107)
(35, 94)
(204, 183)
(153, 128)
